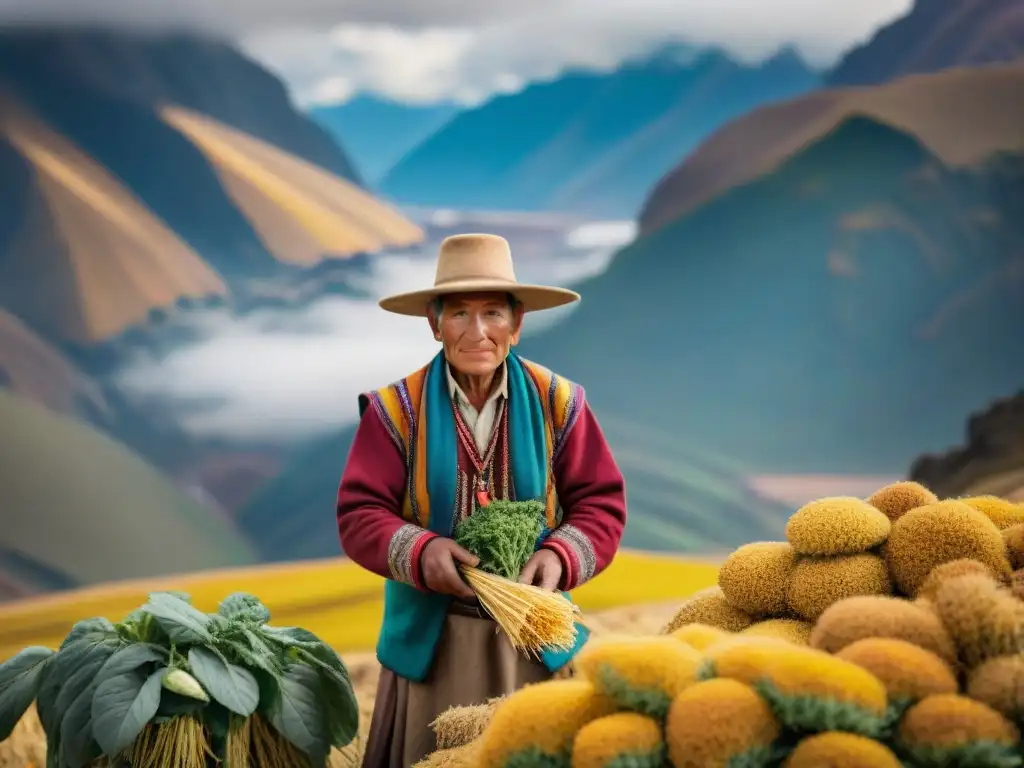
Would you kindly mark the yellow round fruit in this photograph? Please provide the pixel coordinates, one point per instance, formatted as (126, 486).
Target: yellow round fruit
(819, 582)
(835, 749)
(999, 683)
(859, 617)
(908, 672)
(709, 606)
(718, 723)
(897, 499)
(984, 619)
(755, 577)
(1013, 536)
(944, 728)
(540, 721)
(943, 573)
(809, 690)
(840, 525)
(1001, 512)
(699, 636)
(938, 533)
(792, 630)
(641, 674)
(813, 691)
(611, 740)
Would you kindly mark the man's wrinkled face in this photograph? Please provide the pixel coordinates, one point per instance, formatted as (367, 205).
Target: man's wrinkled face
(477, 331)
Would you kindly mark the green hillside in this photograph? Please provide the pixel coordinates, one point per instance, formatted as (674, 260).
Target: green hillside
(81, 504)
(836, 316)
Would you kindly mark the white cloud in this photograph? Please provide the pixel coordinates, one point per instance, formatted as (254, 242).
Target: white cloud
(469, 49)
(470, 61)
(283, 375)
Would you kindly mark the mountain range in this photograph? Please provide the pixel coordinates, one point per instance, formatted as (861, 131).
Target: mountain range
(990, 460)
(588, 141)
(859, 296)
(822, 287)
(828, 318)
(936, 35)
(961, 114)
(378, 132)
(130, 102)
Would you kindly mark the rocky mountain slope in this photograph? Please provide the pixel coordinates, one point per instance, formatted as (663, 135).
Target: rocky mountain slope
(961, 115)
(830, 316)
(936, 35)
(379, 132)
(589, 141)
(991, 460)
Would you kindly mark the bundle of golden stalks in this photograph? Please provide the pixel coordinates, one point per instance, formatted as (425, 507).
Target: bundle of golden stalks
(533, 618)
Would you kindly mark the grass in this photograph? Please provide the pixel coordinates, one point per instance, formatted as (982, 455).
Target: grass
(336, 599)
(80, 503)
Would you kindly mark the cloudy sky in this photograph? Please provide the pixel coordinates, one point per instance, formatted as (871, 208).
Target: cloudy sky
(465, 50)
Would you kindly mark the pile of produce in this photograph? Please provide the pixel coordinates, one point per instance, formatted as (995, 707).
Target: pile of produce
(882, 633)
(171, 685)
(504, 536)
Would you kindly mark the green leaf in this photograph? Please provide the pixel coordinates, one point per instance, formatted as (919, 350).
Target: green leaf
(76, 666)
(298, 711)
(78, 746)
(183, 623)
(129, 659)
(121, 707)
(75, 669)
(233, 686)
(339, 698)
(19, 685)
(244, 607)
(89, 630)
(296, 637)
(46, 698)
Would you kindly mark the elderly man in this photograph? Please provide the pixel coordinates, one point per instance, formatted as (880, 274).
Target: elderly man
(478, 422)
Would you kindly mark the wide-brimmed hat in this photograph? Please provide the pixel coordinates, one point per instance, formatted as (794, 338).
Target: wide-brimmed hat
(477, 264)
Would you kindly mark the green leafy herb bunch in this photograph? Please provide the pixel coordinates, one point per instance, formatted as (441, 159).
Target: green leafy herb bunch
(503, 535)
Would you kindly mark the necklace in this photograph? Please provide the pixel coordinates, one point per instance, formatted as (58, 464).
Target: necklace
(480, 463)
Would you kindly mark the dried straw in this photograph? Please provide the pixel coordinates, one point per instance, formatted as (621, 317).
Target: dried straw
(456, 757)
(26, 745)
(457, 726)
(182, 742)
(272, 750)
(238, 749)
(533, 618)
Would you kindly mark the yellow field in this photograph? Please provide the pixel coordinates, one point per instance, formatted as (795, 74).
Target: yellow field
(336, 599)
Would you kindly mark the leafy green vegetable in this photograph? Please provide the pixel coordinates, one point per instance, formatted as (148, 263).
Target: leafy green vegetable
(19, 685)
(503, 535)
(298, 711)
(234, 687)
(339, 698)
(182, 622)
(107, 682)
(244, 608)
(121, 707)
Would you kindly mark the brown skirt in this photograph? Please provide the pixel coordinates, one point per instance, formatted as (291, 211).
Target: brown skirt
(474, 662)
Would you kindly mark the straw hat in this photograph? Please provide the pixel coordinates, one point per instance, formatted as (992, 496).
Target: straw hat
(477, 264)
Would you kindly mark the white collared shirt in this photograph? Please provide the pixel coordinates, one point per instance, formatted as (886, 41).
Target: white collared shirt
(483, 422)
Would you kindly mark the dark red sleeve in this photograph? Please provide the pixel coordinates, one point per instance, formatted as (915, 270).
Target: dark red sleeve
(592, 492)
(372, 531)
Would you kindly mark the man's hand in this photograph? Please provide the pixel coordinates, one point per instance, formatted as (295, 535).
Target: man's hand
(543, 569)
(438, 562)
